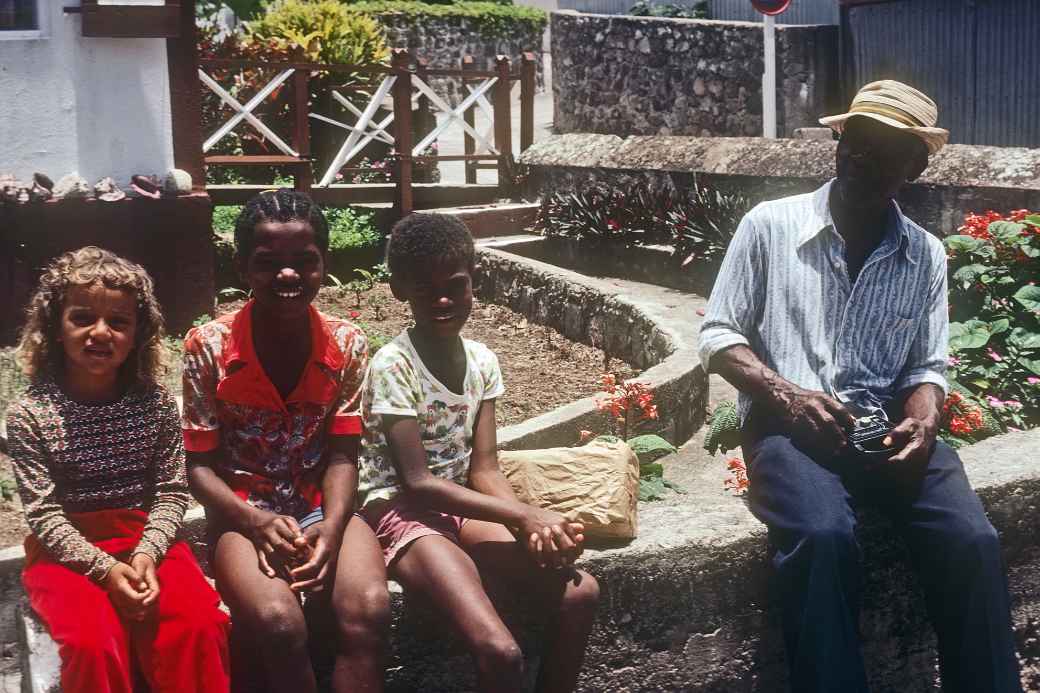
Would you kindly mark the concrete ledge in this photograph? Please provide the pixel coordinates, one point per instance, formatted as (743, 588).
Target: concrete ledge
(650, 327)
(959, 179)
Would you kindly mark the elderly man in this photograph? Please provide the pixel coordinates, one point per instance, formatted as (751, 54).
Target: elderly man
(830, 308)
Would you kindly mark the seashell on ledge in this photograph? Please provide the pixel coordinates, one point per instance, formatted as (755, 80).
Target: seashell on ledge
(106, 190)
(71, 187)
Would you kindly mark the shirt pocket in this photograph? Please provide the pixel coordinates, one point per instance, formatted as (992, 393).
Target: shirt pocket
(896, 334)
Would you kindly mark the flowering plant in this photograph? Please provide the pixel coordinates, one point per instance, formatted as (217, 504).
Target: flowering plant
(625, 401)
(994, 367)
(738, 479)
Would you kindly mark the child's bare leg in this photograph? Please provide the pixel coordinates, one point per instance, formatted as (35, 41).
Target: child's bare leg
(569, 596)
(267, 607)
(438, 569)
(361, 606)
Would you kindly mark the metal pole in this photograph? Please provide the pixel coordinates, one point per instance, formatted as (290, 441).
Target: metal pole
(769, 78)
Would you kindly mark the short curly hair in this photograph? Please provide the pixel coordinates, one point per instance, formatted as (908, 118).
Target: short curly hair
(282, 206)
(419, 238)
(39, 349)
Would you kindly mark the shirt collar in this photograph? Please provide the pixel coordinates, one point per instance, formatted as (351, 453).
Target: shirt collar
(324, 349)
(820, 219)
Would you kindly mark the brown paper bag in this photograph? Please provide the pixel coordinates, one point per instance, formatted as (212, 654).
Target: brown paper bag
(597, 484)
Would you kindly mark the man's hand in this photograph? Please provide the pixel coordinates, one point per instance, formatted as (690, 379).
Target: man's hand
(551, 539)
(128, 590)
(319, 553)
(914, 440)
(813, 417)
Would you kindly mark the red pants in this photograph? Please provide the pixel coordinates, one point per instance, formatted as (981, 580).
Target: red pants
(182, 647)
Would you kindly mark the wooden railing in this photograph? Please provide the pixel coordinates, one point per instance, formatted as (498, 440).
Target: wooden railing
(405, 85)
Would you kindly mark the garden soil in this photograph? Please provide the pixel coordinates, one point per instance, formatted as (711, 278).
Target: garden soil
(542, 369)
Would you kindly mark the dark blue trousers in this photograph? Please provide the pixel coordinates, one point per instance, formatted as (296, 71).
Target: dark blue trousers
(808, 507)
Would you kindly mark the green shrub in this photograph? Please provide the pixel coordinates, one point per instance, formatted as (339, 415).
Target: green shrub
(647, 8)
(326, 31)
(490, 18)
(224, 217)
(994, 264)
(350, 229)
(698, 223)
(12, 379)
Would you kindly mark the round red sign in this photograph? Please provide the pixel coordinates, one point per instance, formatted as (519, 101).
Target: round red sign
(770, 6)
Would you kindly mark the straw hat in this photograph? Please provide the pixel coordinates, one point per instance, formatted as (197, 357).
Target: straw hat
(898, 105)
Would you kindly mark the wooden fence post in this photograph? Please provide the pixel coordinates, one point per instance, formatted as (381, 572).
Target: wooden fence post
(402, 132)
(469, 146)
(527, 87)
(503, 124)
(303, 176)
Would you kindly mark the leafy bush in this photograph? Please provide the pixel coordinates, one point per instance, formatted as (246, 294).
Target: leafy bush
(995, 324)
(224, 217)
(12, 379)
(699, 223)
(325, 31)
(349, 229)
(646, 8)
(490, 18)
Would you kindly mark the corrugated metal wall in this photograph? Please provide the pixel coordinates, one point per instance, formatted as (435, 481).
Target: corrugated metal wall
(800, 11)
(976, 58)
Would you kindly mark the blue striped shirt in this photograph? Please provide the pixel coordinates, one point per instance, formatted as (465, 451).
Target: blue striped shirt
(784, 291)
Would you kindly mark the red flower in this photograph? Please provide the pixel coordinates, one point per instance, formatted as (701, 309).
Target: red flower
(738, 482)
(354, 315)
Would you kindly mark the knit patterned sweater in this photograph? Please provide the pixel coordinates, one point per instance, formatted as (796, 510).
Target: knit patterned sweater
(71, 457)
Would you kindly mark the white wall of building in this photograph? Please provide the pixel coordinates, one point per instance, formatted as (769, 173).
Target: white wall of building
(96, 106)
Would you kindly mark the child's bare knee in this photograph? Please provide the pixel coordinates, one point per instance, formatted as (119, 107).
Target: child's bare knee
(501, 656)
(364, 614)
(582, 593)
(280, 625)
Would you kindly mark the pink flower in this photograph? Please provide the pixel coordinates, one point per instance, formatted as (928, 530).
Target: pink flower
(994, 355)
(994, 402)
(1012, 404)
(1033, 380)
(953, 361)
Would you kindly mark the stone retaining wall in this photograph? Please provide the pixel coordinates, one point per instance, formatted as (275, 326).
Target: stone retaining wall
(444, 41)
(652, 76)
(959, 179)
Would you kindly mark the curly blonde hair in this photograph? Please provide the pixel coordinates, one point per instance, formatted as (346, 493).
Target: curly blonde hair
(39, 349)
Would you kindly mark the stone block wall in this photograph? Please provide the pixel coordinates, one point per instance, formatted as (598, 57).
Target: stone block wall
(651, 76)
(444, 41)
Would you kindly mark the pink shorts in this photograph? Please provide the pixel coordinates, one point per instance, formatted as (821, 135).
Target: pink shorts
(397, 523)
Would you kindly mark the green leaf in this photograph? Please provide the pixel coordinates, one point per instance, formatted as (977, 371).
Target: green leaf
(651, 489)
(649, 471)
(1033, 365)
(674, 486)
(969, 335)
(998, 326)
(962, 243)
(1024, 339)
(969, 273)
(1028, 296)
(1006, 231)
(981, 383)
(606, 439)
(650, 447)
(724, 432)
(1032, 220)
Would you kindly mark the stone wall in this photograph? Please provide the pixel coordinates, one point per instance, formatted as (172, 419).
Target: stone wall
(444, 41)
(959, 179)
(651, 76)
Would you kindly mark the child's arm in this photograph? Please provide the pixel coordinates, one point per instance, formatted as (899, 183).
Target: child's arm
(43, 512)
(171, 497)
(338, 493)
(268, 531)
(46, 519)
(445, 496)
(486, 476)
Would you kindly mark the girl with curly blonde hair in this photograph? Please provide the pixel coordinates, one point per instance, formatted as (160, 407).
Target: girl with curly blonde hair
(98, 457)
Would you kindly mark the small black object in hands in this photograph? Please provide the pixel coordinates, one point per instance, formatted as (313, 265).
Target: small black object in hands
(867, 435)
